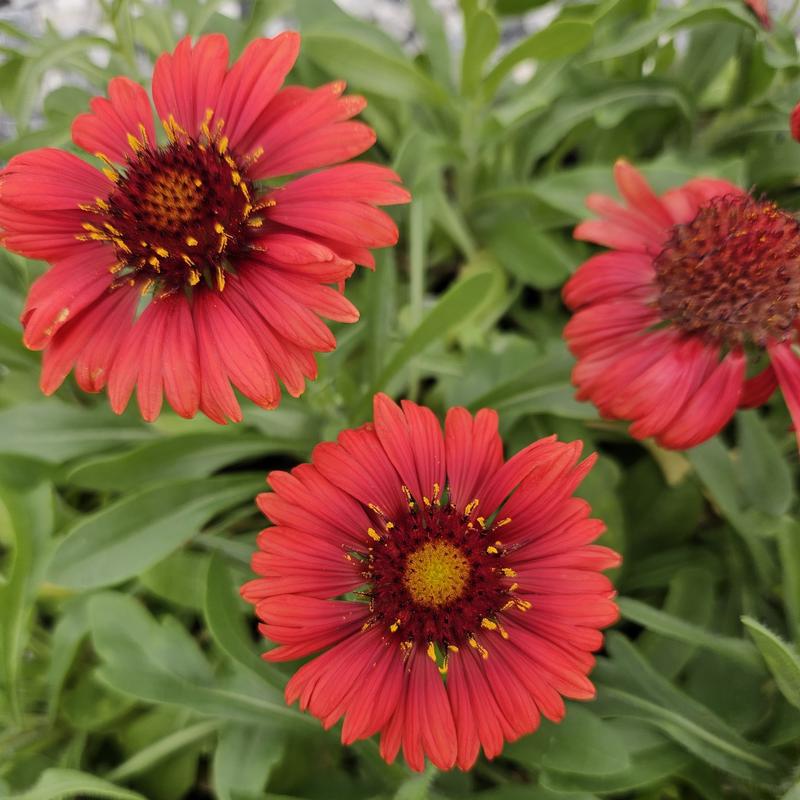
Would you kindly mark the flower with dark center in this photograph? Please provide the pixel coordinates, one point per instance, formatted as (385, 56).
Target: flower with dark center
(177, 269)
(456, 596)
(702, 286)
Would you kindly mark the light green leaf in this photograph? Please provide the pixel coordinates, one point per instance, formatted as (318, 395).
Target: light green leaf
(55, 784)
(451, 310)
(368, 68)
(171, 670)
(127, 537)
(179, 457)
(223, 613)
(243, 760)
(55, 432)
(483, 35)
(30, 514)
(675, 628)
(782, 659)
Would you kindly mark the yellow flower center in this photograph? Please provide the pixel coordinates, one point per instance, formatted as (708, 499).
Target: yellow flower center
(436, 574)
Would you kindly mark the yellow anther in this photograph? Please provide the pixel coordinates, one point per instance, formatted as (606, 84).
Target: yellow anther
(492, 549)
(162, 252)
(394, 626)
(218, 227)
(236, 178)
(187, 260)
(146, 286)
(481, 521)
(220, 279)
(375, 509)
(437, 491)
(222, 144)
(470, 507)
(431, 651)
(508, 572)
(191, 241)
(255, 222)
(502, 522)
(194, 277)
(478, 646)
(110, 174)
(488, 624)
(153, 262)
(426, 500)
(197, 182)
(373, 534)
(406, 647)
(134, 143)
(452, 648)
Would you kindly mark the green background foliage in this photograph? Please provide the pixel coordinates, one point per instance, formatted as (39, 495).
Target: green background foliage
(129, 667)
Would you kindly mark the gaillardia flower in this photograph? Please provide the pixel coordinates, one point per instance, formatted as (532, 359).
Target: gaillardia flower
(456, 596)
(176, 268)
(692, 314)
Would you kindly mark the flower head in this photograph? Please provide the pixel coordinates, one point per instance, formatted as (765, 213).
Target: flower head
(176, 268)
(456, 596)
(701, 283)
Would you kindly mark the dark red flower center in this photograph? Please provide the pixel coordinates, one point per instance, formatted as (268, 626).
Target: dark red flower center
(436, 576)
(732, 274)
(178, 214)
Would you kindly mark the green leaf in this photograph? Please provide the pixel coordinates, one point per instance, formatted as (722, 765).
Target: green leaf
(430, 25)
(165, 748)
(482, 37)
(765, 476)
(171, 670)
(127, 537)
(371, 69)
(243, 760)
(690, 598)
(683, 719)
(583, 743)
(30, 514)
(189, 456)
(560, 39)
(675, 628)
(68, 633)
(223, 613)
(535, 257)
(55, 432)
(789, 550)
(55, 784)
(451, 309)
(715, 469)
(664, 20)
(782, 659)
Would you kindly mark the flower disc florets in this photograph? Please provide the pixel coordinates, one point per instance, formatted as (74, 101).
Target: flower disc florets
(437, 575)
(178, 213)
(732, 274)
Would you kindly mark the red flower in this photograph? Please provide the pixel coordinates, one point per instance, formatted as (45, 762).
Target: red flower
(403, 553)
(794, 123)
(233, 271)
(761, 10)
(701, 282)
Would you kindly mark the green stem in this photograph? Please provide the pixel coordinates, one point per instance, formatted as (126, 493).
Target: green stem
(417, 280)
